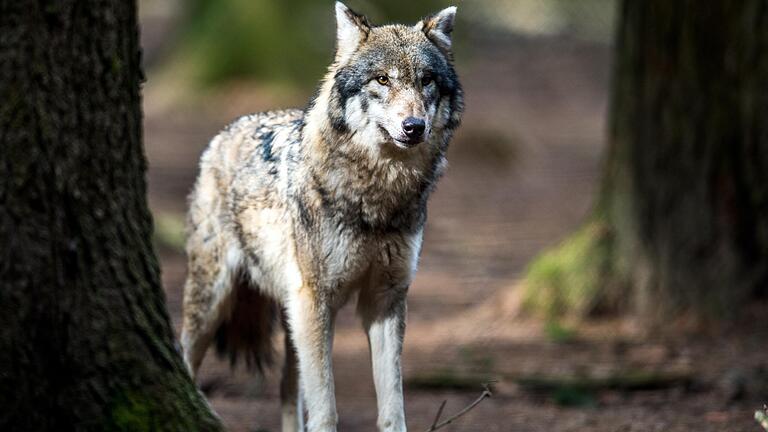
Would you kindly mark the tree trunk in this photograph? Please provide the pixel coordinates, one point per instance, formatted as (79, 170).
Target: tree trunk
(85, 339)
(682, 219)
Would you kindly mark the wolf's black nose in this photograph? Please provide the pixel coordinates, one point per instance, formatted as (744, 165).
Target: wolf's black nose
(413, 127)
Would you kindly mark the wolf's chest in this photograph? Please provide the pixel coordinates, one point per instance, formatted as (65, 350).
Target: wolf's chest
(350, 260)
(371, 213)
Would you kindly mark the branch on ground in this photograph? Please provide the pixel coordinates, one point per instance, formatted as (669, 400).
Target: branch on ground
(437, 424)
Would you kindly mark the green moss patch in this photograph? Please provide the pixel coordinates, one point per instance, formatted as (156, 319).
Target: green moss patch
(570, 279)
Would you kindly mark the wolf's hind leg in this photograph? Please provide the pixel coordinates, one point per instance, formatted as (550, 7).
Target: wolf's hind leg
(207, 301)
(290, 394)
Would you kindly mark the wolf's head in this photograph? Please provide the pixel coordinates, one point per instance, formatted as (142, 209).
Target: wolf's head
(394, 84)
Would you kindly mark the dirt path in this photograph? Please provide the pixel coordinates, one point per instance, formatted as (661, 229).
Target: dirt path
(522, 174)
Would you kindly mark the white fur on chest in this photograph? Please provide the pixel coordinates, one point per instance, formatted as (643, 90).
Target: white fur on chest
(372, 262)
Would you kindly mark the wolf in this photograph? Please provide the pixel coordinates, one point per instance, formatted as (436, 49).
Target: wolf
(295, 211)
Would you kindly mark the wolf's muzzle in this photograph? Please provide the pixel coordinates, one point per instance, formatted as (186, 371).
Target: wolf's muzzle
(414, 128)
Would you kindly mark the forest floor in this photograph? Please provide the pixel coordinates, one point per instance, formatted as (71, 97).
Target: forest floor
(522, 174)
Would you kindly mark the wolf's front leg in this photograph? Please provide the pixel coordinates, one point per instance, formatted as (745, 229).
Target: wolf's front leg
(290, 393)
(383, 316)
(311, 323)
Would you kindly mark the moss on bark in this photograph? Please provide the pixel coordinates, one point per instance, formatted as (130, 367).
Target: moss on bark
(569, 279)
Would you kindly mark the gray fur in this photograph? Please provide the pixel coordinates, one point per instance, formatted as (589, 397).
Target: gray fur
(314, 205)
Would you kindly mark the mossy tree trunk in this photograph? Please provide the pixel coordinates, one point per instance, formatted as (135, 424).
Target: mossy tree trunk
(682, 217)
(85, 339)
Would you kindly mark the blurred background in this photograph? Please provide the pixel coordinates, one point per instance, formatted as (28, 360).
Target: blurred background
(524, 170)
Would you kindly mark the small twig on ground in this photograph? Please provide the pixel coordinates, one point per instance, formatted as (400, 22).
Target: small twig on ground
(435, 425)
(439, 413)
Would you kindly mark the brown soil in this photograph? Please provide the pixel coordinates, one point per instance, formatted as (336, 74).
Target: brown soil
(522, 175)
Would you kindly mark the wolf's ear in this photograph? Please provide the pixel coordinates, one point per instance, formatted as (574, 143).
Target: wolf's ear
(438, 27)
(351, 29)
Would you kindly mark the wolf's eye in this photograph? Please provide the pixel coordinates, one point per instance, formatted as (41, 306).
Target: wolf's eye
(382, 79)
(426, 80)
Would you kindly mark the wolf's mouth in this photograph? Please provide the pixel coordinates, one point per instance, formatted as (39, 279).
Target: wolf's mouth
(408, 143)
(402, 143)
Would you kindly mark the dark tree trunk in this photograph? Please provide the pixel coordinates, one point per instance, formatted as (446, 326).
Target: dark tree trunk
(681, 224)
(85, 339)
(686, 183)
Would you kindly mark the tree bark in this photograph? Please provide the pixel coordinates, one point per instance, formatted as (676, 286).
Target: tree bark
(85, 339)
(686, 183)
(682, 216)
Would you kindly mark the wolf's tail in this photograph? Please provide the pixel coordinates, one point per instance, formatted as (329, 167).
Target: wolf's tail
(248, 331)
